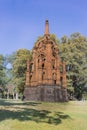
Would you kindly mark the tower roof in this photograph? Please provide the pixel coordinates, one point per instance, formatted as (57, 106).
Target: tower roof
(46, 27)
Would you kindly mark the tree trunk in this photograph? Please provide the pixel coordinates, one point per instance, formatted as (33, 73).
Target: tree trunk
(7, 95)
(16, 96)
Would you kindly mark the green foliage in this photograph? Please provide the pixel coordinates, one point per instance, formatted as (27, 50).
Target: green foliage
(54, 38)
(74, 52)
(2, 72)
(19, 68)
(64, 39)
(38, 39)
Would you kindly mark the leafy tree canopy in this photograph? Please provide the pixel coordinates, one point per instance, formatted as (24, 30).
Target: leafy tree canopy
(74, 52)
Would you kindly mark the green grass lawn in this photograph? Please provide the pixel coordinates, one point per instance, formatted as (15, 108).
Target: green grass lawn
(21, 115)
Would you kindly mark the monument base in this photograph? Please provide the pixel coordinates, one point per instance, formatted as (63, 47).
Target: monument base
(45, 93)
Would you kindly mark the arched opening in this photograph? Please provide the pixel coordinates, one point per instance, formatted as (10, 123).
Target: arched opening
(31, 67)
(43, 66)
(41, 61)
(53, 64)
(61, 80)
(54, 82)
(54, 78)
(30, 78)
(53, 67)
(43, 75)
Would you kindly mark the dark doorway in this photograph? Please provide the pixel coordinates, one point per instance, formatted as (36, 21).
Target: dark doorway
(54, 82)
(43, 66)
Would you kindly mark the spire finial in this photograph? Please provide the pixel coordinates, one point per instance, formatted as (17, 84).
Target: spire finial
(46, 27)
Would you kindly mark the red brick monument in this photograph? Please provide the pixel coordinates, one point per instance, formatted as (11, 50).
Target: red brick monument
(45, 74)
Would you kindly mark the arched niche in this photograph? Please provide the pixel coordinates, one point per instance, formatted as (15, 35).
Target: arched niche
(41, 61)
(31, 67)
(54, 75)
(53, 63)
(43, 75)
(30, 78)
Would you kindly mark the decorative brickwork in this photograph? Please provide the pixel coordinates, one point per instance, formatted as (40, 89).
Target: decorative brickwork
(46, 74)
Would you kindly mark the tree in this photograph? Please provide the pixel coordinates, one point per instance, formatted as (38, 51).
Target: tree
(74, 52)
(54, 38)
(3, 78)
(19, 68)
(2, 71)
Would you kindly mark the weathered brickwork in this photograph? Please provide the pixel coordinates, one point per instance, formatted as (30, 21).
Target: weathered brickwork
(46, 74)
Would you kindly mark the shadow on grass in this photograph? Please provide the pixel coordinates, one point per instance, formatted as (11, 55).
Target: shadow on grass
(11, 111)
(14, 102)
(34, 115)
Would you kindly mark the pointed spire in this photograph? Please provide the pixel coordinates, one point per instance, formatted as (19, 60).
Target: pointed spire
(46, 27)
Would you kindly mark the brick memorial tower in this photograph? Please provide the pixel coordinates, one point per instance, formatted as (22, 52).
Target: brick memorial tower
(45, 74)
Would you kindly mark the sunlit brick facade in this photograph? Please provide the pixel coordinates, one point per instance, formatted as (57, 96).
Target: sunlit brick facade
(46, 74)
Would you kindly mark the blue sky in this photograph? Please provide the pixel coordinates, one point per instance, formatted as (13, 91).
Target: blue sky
(22, 21)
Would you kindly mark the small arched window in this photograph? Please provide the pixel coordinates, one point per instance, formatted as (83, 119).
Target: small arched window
(61, 80)
(30, 77)
(31, 67)
(43, 75)
(54, 76)
(53, 64)
(43, 66)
